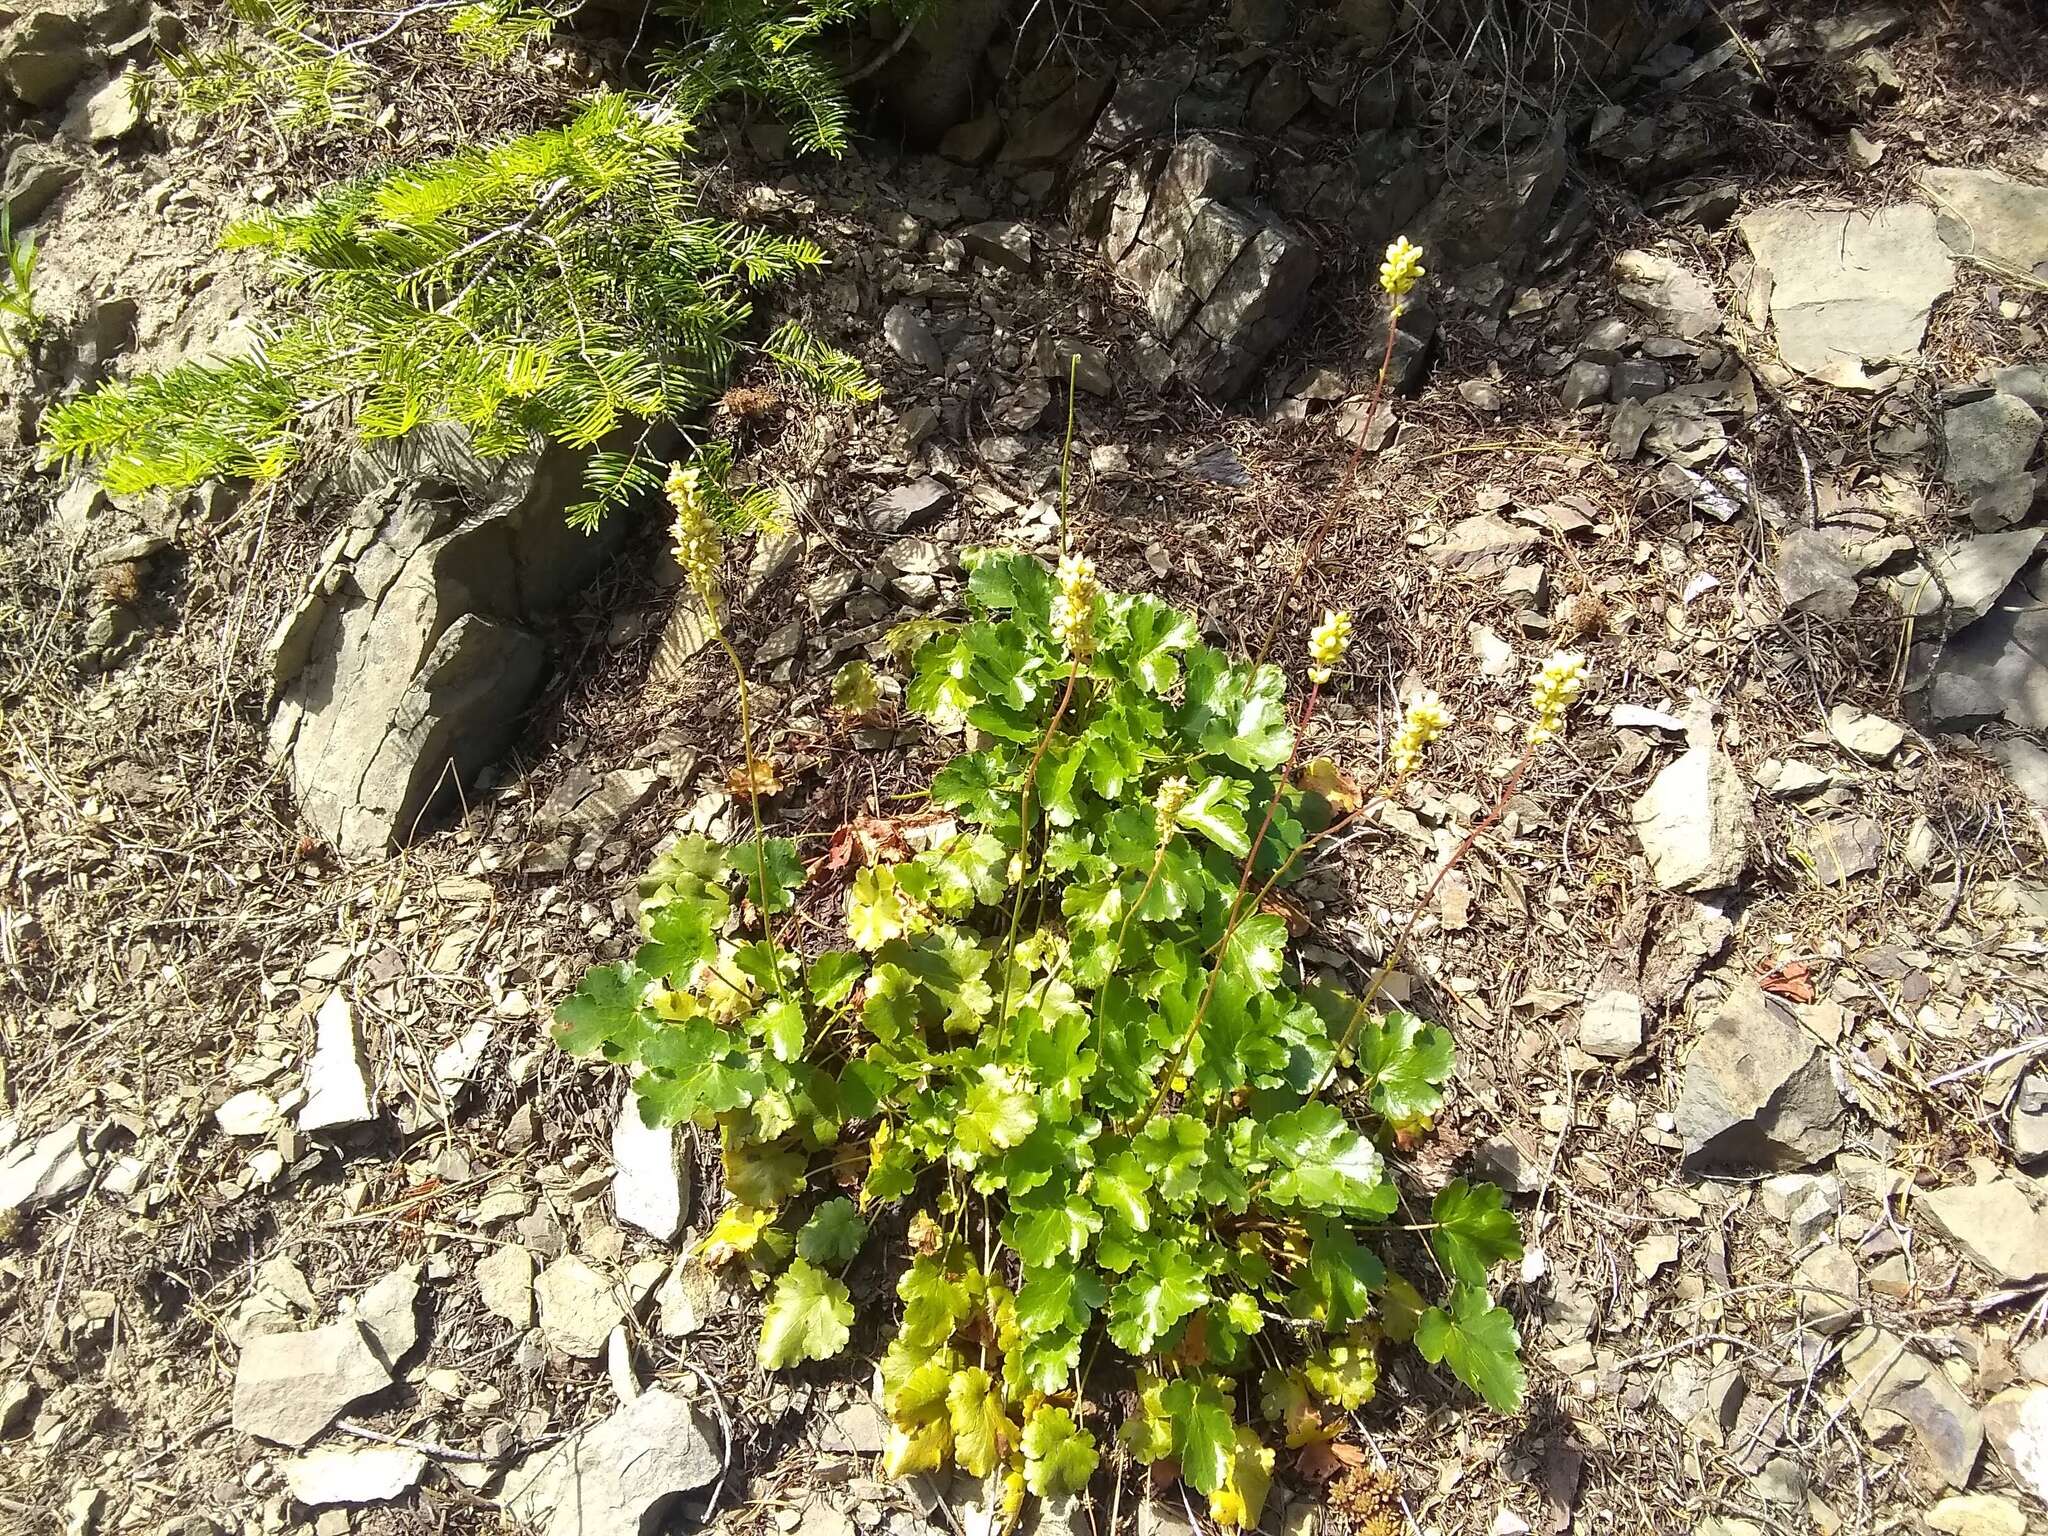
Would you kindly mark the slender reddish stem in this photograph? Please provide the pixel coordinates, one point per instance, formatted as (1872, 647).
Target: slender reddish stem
(1321, 529)
(1024, 809)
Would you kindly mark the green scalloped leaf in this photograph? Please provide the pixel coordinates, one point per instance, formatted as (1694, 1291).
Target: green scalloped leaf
(809, 1317)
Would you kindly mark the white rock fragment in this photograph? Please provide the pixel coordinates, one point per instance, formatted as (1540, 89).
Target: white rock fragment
(290, 1386)
(337, 1093)
(688, 1298)
(1694, 822)
(337, 1476)
(1870, 736)
(1612, 1026)
(578, 1309)
(2017, 1422)
(44, 1171)
(648, 1191)
(619, 1475)
(504, 1280)
(251, 1112)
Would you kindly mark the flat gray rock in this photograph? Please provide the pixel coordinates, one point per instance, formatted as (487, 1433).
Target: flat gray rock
(1975, 573)
(46, 1170)
(1989, 442)
(1483, 544)
(1693, 822)
(1998, 667)
(619, 1476)
(2025, 767)
(2001, 1226)
(290, 1386)
(911, 339)
(42, 55)
(390, 1310)
(1815, 574)
(2030, 1117)
(1892, 1386)
(1670, 293)
(405, 668)
(1842, 848)
(107, 113)
(1991, 216)
(1849, 292)
(1222, 282)
(578, 1307)
(1757, 1093)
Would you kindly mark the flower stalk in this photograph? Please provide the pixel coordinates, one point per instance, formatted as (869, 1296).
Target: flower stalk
(697, 551)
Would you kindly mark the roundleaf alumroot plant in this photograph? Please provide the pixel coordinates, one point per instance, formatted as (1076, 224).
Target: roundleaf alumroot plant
(1136, 1154)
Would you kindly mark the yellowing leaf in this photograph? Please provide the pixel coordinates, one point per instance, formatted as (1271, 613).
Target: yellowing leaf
(918, 1448)
(808, 1318)
(1242, 1498)
(996, 1115)
(762, 1176)
(1284, 1398)
(1321, 776)
(856, 691)
(735, 1233)
(1149, 1432)
(754, 780)
(1059, 1458)
(983, 1433)
(876, 910)
(1401, 1309)
(1347, 1371)
(914, 1381)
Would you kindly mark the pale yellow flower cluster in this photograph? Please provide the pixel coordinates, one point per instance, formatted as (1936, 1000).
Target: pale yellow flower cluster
(1173, 794)
(1552, 695)
(697, 550)
(1073, 609)
(1327, 643)
(1422, 722)
(1402, 269)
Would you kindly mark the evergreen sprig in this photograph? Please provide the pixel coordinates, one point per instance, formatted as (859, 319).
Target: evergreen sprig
(769, 51)
(561, 285)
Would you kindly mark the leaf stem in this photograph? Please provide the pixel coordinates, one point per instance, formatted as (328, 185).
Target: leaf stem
(1231, 923)
(739, 675)
(1024, 809)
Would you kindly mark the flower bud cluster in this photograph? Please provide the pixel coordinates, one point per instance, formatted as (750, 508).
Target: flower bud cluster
(1327, 643)
(1402, 269)
(1073, 608)
(697, 549)
(1552, 695)
(1422, 722)
(1173, 794)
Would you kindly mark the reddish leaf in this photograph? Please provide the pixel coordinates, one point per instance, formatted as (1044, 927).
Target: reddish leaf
(1791, 981)
(1321, 1462)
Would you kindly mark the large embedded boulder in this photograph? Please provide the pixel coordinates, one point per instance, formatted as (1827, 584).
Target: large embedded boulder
(406, 667)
